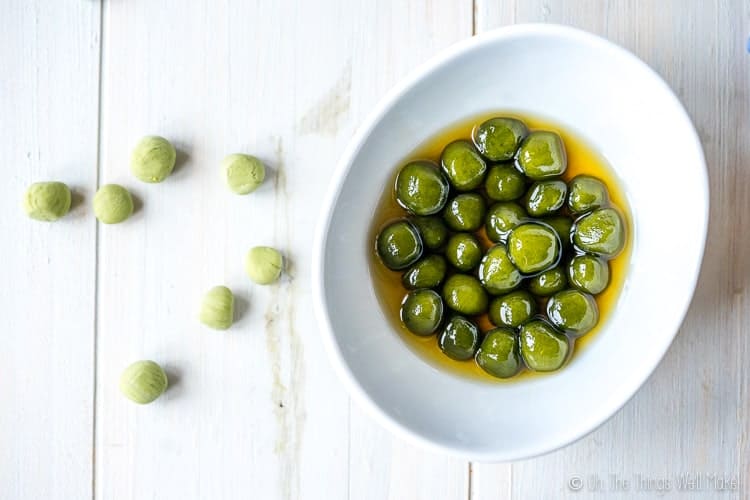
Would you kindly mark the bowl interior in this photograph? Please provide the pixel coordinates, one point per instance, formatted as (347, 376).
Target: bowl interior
(623, 109)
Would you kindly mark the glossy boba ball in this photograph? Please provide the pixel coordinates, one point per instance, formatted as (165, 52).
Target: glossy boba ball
(502, 218)
(464, 294)
(459, 338)
(463, 165)
(427, 272)
(498, 355)
(463, 251)
(399, 245)
(601, 232)
(465, 212)
(573, 311)
(546, 197)
(421, 188)
(588, 273)
(513, 309)
(548, 282)
(433, 230)
(504, 183)
(562, 226)
(498, 138)
(497, 273)
(542, 348)
(542, 155)
(422, 312)
(586, 193)
(533, 247)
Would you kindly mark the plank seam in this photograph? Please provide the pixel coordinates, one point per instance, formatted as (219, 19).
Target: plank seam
(97, 177)
(473, 17)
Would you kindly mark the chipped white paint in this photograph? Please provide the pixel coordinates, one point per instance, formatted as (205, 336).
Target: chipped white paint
(324, 116)
(257, 411)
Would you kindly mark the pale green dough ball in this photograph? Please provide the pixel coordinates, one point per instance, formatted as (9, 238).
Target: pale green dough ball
(243, 173)
(264, 265)
(112, 204)
(47, 201)
(217, 309)
(143, 382)
(153, 159)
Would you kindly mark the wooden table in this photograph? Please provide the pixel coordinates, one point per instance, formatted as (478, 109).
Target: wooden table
(257, 412)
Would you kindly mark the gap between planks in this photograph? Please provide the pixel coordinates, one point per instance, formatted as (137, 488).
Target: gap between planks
(97, 177)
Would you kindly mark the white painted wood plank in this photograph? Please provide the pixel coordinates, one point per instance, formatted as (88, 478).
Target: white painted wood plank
(691, 416)
(49, 61)
(277, 82)
(384, 467)
(255, 410)
(393, 38)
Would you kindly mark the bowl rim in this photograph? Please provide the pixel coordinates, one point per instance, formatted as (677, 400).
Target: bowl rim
(320, 306)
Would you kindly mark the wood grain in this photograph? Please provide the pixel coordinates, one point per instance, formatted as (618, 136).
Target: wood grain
(242, 414)
(49, 60)
(256, 409)
(691, 416)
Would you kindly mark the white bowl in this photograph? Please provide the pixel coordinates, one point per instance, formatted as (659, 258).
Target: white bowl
(621, 107)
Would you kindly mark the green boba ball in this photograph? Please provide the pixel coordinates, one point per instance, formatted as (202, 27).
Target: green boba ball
(264, 265)
(589, 273)
(542, 348)
(464, 294)
(463, 251)
(498, 138)
(47, 201)
(143, 382)
(465, 212)
(112, 204)
(513, 309)
(562, 226)
(463, 165)
(217, 308)
(433, 230)
(243, 173)
(586, 193)
(427, 272)
(573, 311)
(498, 355)
(502, 218)
(549, 282)
(546, 197)
(497, 273)
(399, 244)
(542, 155)
(533, 247)
(422, 312)
(153, 159)
(504, 183)
(601, 232)
(459, 338)
(422, 188)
